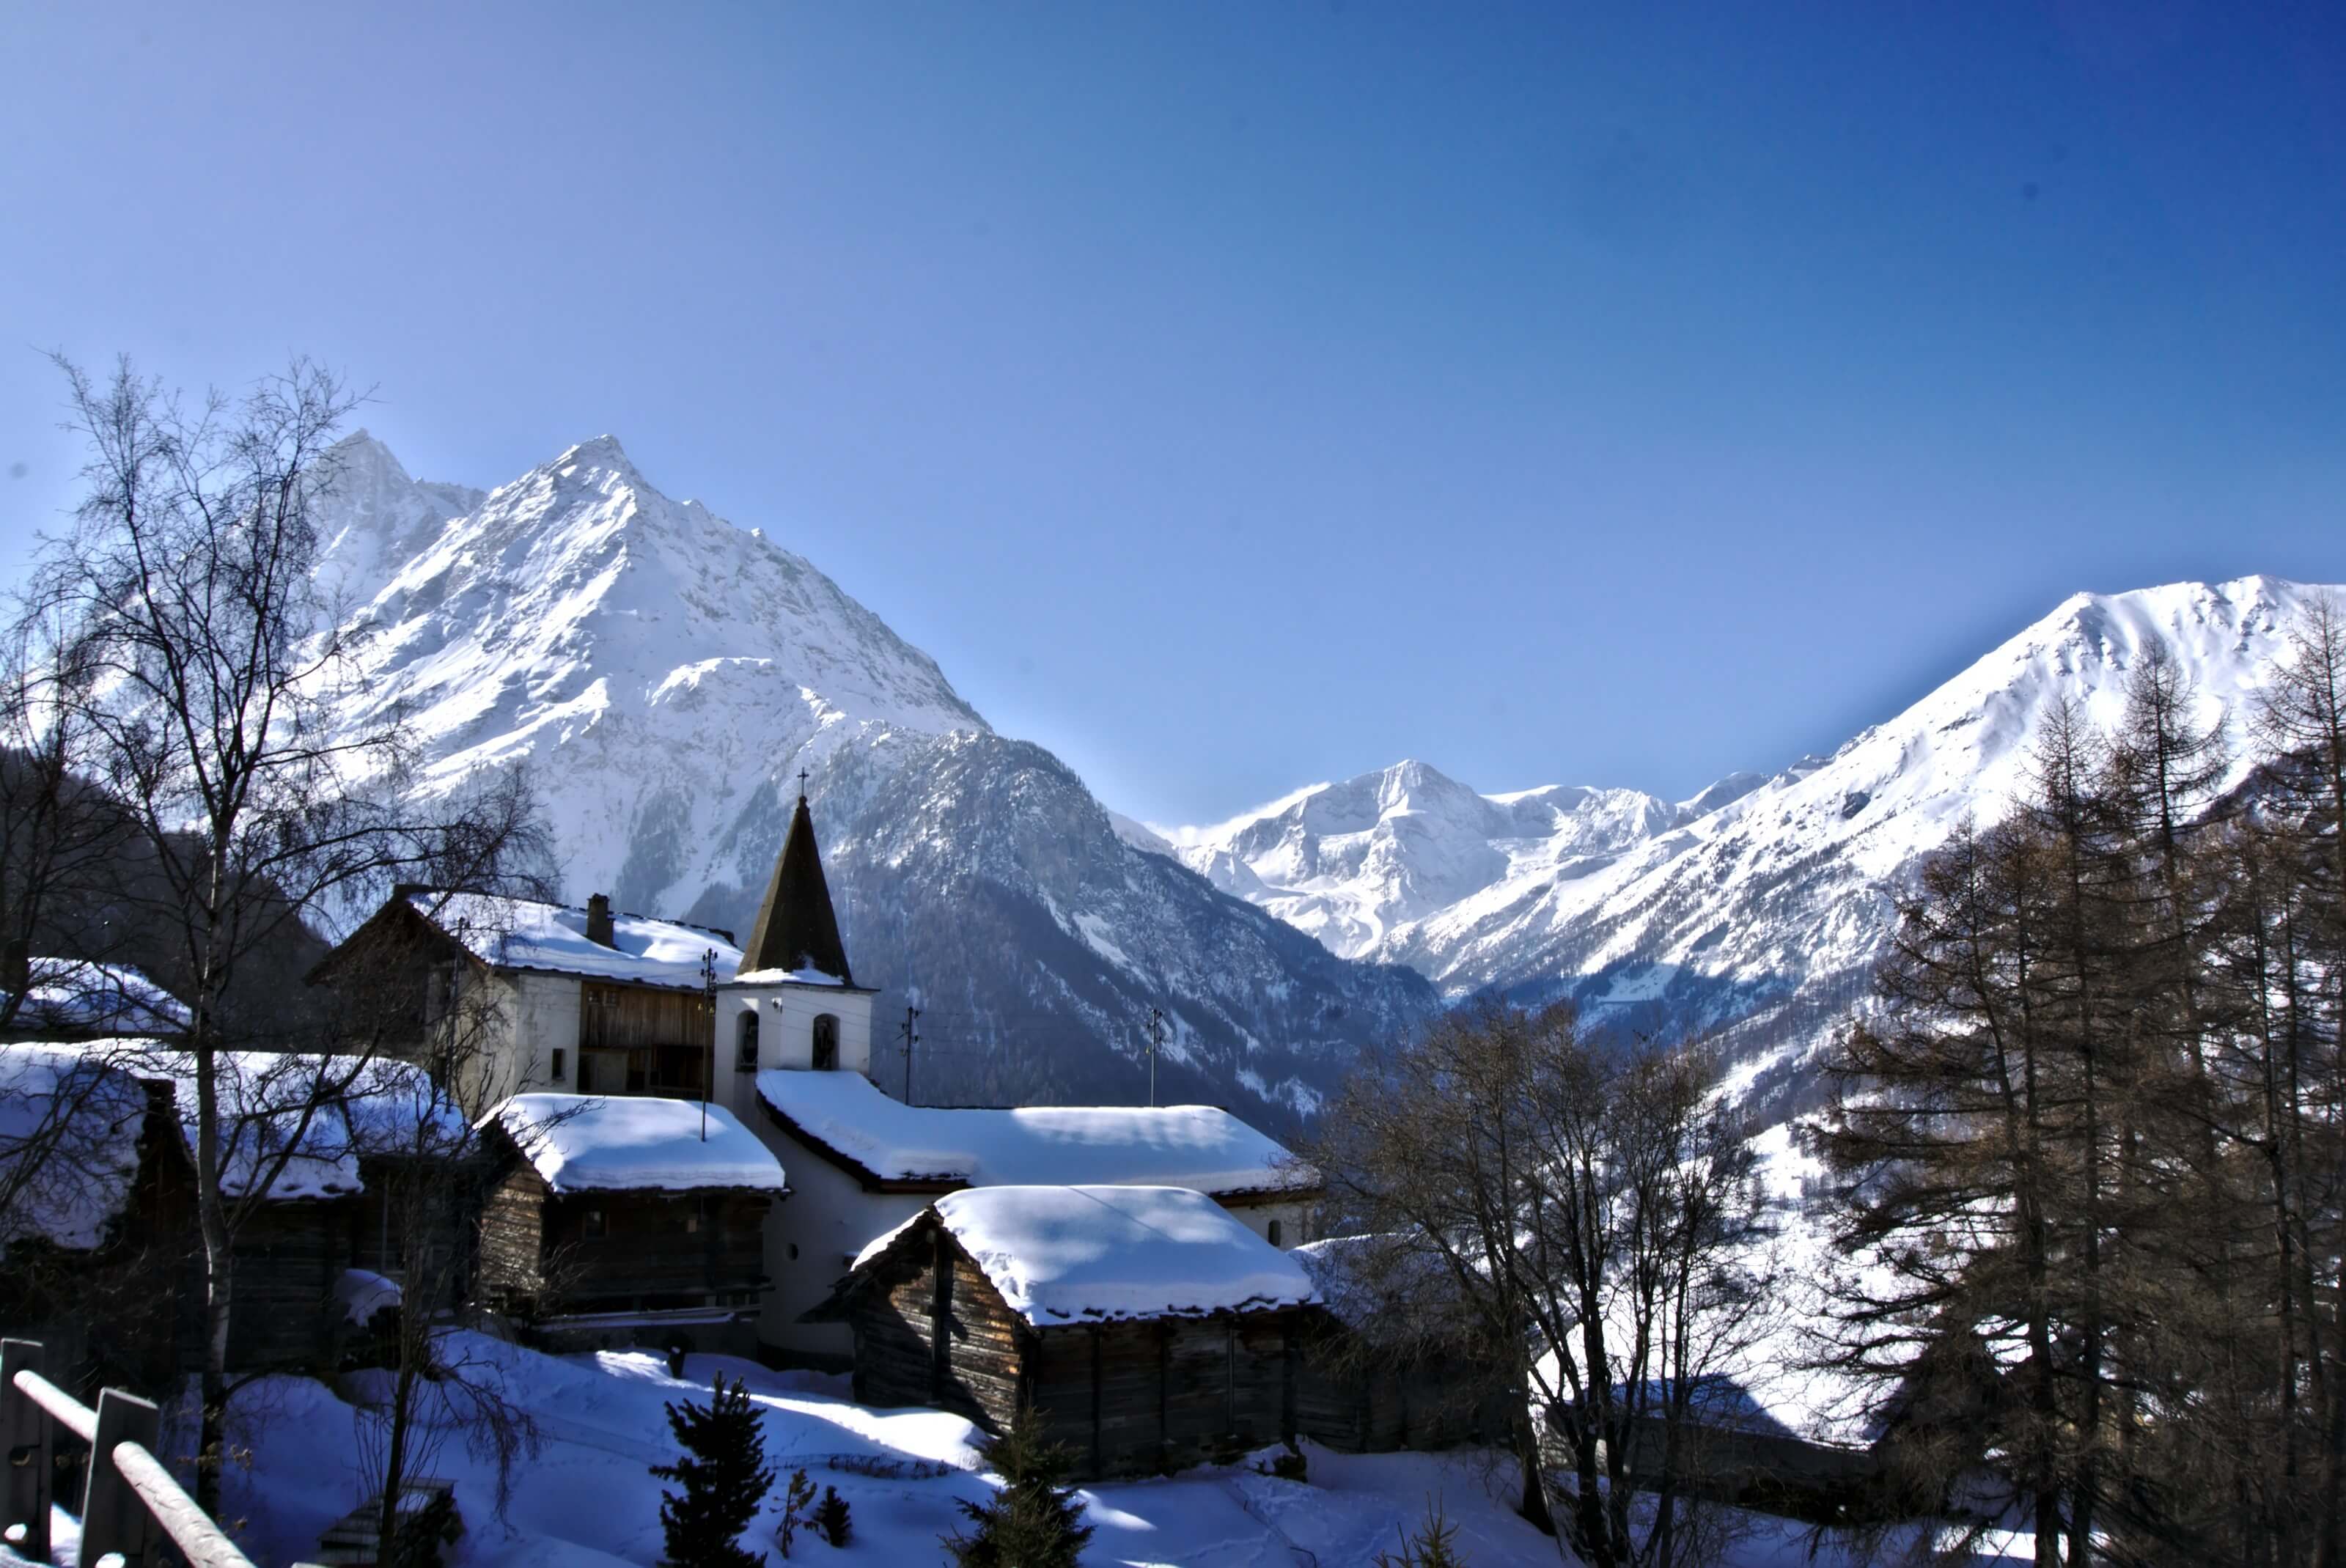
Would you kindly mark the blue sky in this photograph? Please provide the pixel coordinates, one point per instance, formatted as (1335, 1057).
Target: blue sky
(1232, 395)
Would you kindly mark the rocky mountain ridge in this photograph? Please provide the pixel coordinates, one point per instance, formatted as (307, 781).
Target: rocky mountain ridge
(1755, 909)
(664, 676)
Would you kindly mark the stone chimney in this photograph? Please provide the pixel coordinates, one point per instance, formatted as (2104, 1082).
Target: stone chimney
(598, 921)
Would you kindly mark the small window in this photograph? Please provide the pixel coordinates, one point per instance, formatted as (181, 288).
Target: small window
(794, 1252)
(590, 1225)
(826, 1044)
(1273, 1231)
(745, 1046)
(560, 1061)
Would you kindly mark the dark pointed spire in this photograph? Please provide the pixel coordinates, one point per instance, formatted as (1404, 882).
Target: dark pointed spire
(795, 927)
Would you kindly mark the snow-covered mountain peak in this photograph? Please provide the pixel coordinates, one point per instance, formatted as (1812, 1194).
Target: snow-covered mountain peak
(1358, 862)
(578, 611)
(1757, 905)
(666, 675)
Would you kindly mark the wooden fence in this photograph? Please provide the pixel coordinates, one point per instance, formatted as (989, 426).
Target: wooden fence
(130, 1505)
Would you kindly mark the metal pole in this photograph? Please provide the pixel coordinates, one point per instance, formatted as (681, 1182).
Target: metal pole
(708, 1064)
(912, 1038)
(1155, 1038)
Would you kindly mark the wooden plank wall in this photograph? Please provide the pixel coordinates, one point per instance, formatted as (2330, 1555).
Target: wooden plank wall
(1433, 1402)
(511, 1258)
(623, 1016)
(287, 1258)
(656, 1248)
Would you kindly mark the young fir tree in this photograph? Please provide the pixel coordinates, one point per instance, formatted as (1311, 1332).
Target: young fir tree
(724, 1476)
(1033, 1521)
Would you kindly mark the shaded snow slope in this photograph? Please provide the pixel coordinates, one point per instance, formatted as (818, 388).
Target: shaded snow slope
(664, 674)
(1759, 906)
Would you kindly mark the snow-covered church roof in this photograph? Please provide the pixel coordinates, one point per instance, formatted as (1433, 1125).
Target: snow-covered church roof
(1201, 1148)
(584, 1143)
(523, 933)
(1088, 1254)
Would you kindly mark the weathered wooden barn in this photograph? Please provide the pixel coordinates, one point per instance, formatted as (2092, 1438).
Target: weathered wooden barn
(619, 1222)
(93, 1236)
(113, 1125)
(1147, 1325)
(1382, 1373)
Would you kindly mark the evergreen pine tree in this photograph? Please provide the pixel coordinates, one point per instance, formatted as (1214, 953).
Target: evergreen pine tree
(724, 1479)
(1033, 1521)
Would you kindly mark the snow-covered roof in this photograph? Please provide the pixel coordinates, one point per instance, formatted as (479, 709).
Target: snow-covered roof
(67, 996)
(1085, 1254)
(522, 934)
(787, 977)
(69, 1127)
(584, 1143)
(1201, 1148)
(363, 1107)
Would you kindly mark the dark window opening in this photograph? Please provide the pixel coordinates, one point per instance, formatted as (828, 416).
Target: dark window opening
(558, 1064)
(1272, 1228)
(826, 1044)
(745, 1047)
(590, 1225)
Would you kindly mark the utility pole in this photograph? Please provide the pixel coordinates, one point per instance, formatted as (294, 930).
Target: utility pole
(1156, 1039)
(709, 1002)
(912, 1038)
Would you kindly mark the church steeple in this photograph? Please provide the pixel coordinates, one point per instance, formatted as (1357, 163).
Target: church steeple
(795, 927)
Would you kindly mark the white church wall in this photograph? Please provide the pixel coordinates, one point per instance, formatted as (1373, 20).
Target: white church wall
(811, 1241)
(786, 1019)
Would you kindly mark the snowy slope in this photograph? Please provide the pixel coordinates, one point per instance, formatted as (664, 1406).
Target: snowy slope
(1758, 906)
(664, 674)
(1358, 863)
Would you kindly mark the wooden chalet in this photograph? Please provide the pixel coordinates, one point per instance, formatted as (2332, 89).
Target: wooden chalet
(1149, 1326)
(521, 995)
(618, 1222)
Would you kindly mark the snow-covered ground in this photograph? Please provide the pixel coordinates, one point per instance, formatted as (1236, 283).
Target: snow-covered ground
(587, 1499)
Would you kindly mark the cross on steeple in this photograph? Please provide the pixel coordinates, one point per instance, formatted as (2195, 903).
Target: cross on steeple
(802, 779)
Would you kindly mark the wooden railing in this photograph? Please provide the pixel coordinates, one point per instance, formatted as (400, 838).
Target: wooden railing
(130, 1505)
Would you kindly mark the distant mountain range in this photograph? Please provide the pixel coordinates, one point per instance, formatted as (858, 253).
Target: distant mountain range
(1755, 909)
(664, 674)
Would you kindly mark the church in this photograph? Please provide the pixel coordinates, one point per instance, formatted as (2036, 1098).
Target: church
(512, 997)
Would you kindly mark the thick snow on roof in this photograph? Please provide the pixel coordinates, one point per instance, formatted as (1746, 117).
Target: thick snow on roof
(361, 1107)
(1197, 1147)
(67, 996)
(69, 1144)
(522, 934)
(1071, 1254)
(582, 1143)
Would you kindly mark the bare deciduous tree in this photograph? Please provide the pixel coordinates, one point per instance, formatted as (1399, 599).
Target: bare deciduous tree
(1584, 1215)
(204, 702)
